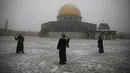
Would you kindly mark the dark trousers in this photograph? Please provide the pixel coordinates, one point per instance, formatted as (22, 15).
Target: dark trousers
(101, 50)
(62, 56)
(20, 47)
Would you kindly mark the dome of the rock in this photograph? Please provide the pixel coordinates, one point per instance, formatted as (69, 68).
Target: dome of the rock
(69, 21)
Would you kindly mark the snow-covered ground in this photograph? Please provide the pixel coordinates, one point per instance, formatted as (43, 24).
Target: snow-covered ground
(41, 56)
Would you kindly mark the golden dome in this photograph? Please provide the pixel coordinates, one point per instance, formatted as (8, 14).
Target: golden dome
(69, 9)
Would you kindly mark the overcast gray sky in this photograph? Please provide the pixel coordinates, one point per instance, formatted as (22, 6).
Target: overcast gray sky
(28, 15)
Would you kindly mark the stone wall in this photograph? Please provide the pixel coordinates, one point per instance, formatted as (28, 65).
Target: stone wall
(106, 35)
(77, 35)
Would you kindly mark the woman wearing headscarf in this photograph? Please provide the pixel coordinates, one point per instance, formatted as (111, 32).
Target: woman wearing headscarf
(100, 45)
(61, 46)
(20, 45)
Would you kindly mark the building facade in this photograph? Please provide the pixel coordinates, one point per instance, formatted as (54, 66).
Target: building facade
(69, 21)
(105, 32)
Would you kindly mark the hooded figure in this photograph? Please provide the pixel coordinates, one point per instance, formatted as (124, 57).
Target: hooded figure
(100, 45)
(61, 46)
(20, 45)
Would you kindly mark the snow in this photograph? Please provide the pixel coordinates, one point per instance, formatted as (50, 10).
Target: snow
(41, 56)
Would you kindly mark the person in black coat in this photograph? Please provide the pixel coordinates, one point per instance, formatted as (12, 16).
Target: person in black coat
(61, 46)
(20, 45)
(100, 45)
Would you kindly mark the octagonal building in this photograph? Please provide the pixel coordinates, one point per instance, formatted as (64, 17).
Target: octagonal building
(69, 21)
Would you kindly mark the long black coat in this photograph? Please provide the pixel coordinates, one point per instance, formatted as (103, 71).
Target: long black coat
(20, 45)
(62, 44)
(100, 46)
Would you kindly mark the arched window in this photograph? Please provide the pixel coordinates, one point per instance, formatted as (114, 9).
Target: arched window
(65, 18)
(74, 18)
(70, 18)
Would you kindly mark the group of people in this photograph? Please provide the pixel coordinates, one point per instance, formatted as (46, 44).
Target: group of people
(63, 43)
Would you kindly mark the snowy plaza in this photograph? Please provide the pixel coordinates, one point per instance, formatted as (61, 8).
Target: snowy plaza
(41, 56)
